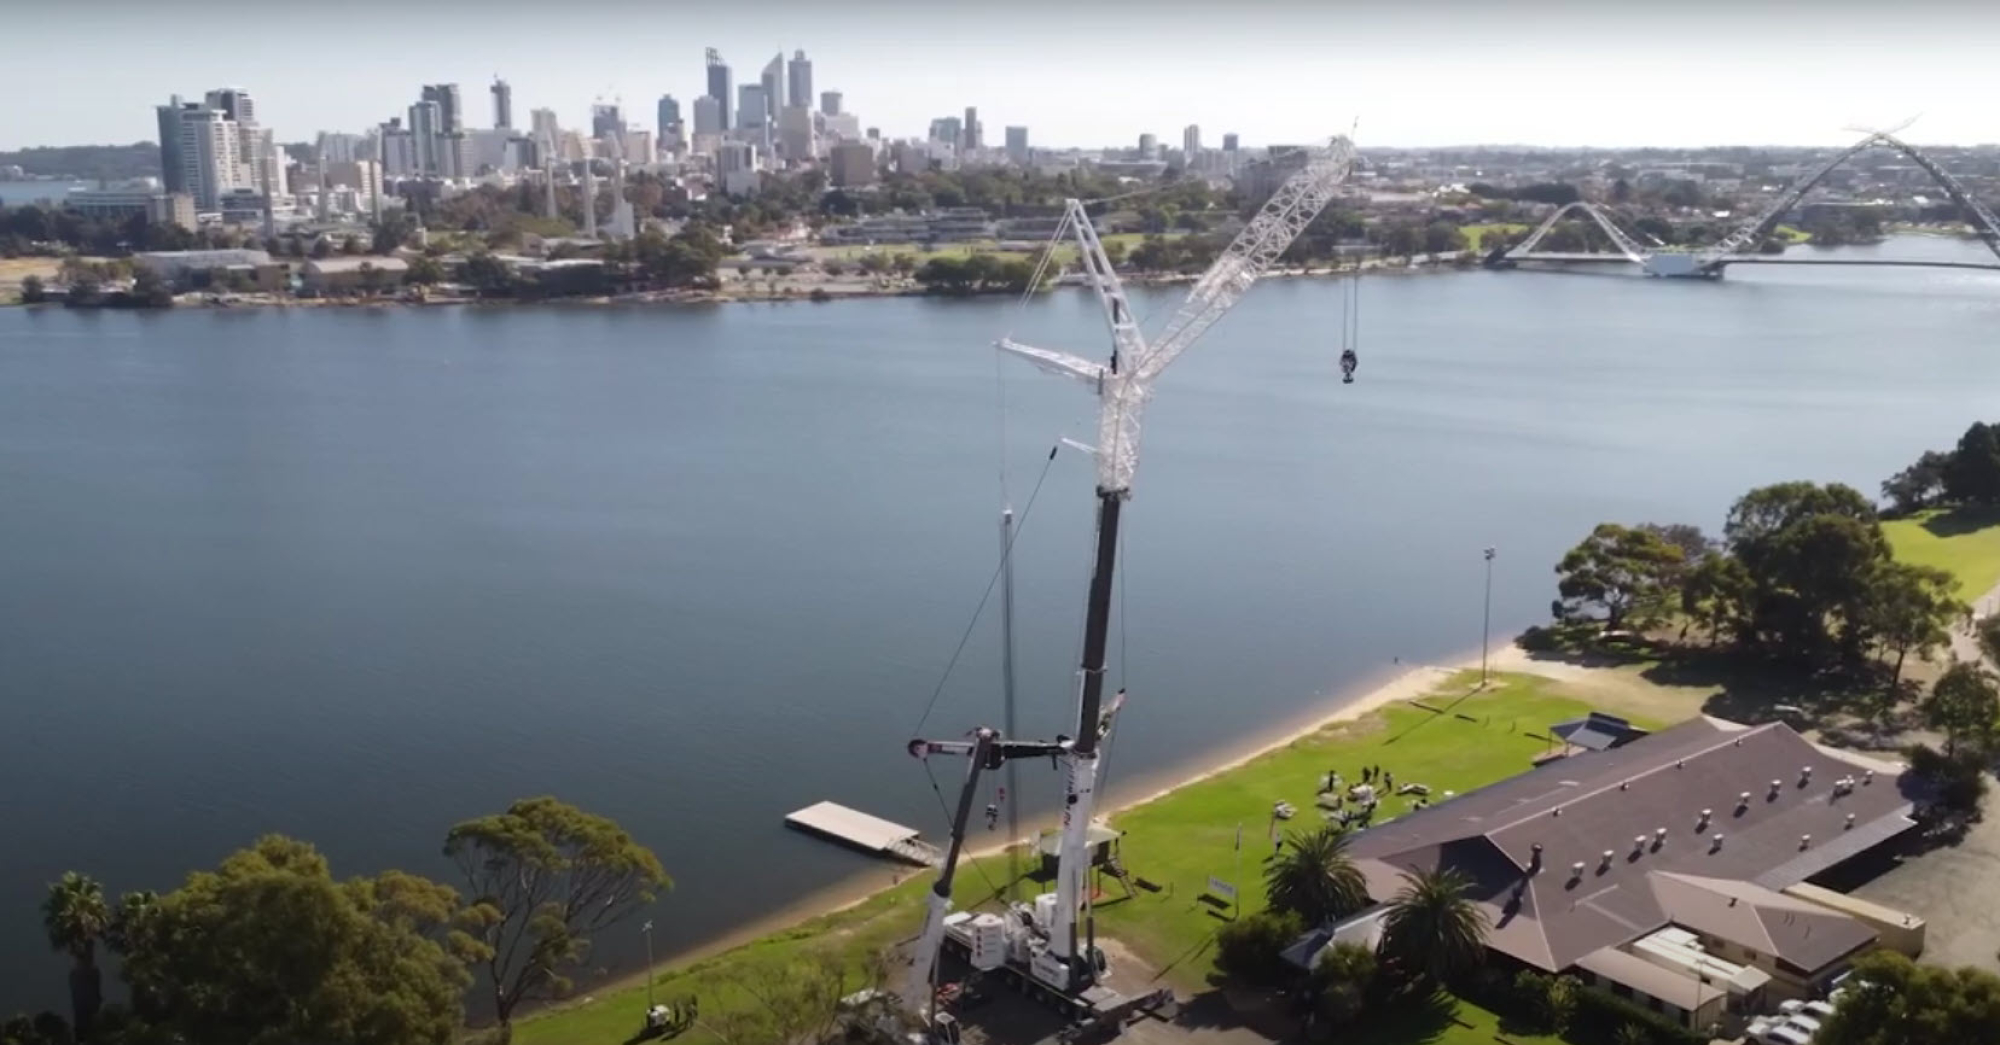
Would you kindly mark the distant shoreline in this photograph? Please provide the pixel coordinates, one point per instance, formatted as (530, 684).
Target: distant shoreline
(728, 296)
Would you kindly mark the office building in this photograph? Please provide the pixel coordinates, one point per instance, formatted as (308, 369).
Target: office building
(1017, 146)
(173, 173)
(668, 114)
(606, 121)
(796, 140)
(800, 90)
(335, 147)
(542, 125)
(1228, 143)
(398, 150)
(1191, 142)
(853, 163)
(971, 131)
(829, 103)
(750, 107)
(503, 105)
(773, 82)
(736, 165)
(426, 138)
(946, 129)
(1149, 147)
(269, 175)
(362, 176)
(708, 116)
(721, 87)
(842, 127)
(444, 155)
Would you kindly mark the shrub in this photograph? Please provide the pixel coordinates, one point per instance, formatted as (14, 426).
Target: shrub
(1341, 984)
(1959, 779)
(1251, 948)
(1601, 1019)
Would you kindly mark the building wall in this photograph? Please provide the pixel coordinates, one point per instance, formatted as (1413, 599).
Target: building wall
(853, 163)
(1896, 930)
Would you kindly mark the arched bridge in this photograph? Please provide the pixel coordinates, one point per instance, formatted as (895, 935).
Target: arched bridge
(1709, 261)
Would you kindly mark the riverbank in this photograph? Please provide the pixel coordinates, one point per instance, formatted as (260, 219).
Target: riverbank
(867, 914)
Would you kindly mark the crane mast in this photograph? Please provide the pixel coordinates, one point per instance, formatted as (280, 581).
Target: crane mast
(1123, 385)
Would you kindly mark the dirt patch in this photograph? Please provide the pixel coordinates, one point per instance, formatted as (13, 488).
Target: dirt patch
(14, 270)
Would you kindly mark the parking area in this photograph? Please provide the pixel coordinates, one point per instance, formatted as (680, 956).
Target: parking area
(1956, 891)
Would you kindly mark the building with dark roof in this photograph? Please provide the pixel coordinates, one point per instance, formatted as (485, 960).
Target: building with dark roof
(1667, 855)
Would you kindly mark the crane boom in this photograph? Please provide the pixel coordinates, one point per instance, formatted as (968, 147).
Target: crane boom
(1124, 384)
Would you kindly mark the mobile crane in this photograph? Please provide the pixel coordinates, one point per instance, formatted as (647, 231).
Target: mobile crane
(1039, 944)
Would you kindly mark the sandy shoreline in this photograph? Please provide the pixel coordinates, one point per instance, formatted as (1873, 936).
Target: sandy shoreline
(1392, 684)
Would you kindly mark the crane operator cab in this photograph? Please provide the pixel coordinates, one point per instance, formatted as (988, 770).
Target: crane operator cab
(1348, 361)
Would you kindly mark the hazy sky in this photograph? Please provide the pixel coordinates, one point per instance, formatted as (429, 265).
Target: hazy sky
(1081, 72)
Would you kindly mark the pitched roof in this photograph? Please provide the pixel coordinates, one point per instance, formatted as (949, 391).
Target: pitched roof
(1520, 839)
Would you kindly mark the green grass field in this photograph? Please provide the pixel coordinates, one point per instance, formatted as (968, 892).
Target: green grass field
(1965, 542)
(1177, 842)
(1475, 235)
(1184, 837)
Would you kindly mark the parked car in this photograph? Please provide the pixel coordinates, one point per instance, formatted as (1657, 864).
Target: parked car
(1765, 1030)
(1815, 1009)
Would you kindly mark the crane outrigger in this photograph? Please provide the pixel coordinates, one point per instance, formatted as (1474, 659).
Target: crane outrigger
(1043, 944)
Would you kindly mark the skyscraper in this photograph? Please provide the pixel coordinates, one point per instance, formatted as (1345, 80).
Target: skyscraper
(752, 108)
(801, 88)
(1228, 143)
(773, 82)
(1017, 145)
(237, 107)
(1191, 142)
(721, 87)
(173, 175)
(972, 128)
(542, 125)
(210, 154)
(503, 105)
(829, 103)
(707, 115)
(1149, 147)
(426, 138)
(606, 121)
(448, 139)
(669, 114)
(947, 129)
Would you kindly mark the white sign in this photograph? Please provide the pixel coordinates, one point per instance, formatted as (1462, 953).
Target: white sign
(1221, 888)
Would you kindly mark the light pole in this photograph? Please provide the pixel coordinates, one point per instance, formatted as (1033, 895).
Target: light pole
(1486, 620)
(648, 930)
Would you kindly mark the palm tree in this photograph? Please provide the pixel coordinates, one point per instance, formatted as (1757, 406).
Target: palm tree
(1433, 928)
(76, 916)
(1312, 877)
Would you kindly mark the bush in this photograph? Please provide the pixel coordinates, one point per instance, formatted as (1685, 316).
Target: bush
(1601, 1020)
(33, 292)
(1959, 779)
(1546, 1003)
(1341, 984)
(1251, 949)
(819, 294)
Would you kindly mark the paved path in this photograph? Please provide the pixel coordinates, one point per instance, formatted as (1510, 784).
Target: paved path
(1964, 643)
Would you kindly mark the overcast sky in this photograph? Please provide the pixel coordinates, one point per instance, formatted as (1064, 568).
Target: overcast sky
(1081, 72)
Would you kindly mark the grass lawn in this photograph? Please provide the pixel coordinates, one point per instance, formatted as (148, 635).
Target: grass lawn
(1964, 541)
(1177, 842)
(1183, 838)
(1792, 235)
(1475, 235)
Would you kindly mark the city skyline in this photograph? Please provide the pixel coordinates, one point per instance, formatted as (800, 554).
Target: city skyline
(1422, 75)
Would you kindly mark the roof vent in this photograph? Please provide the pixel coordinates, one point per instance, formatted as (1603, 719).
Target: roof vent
(1868, 776)
(1804, 841)
(1638, 844)
(1660, 835)
(1702, 825)
(1576, 870)
(1805, 774)
(1850, 821)
(1624, 785)
(1609, 856)
(1557, 811)
(1680, 763)
(1715, 843)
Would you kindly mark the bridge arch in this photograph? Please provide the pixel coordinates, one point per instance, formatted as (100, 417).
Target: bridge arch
(1983, 221)
(1626, 245)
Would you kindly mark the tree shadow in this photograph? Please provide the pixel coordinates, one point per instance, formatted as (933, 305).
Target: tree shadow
(1407, 1021)
(1855, 701)
(1962, 520)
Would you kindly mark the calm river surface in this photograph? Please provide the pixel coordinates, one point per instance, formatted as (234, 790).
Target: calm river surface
(354, 575)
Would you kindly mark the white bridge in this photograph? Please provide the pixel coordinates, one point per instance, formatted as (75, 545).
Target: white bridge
(1657, 259)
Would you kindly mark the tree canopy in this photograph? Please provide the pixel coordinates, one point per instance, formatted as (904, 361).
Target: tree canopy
(1964, 704)
(542, 877)
(1311, 876)
(269, 948)
(1433, 927)
(1894, 1001)
(1629, 572)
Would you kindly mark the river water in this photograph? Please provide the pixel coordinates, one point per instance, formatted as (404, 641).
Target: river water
(354, 575)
